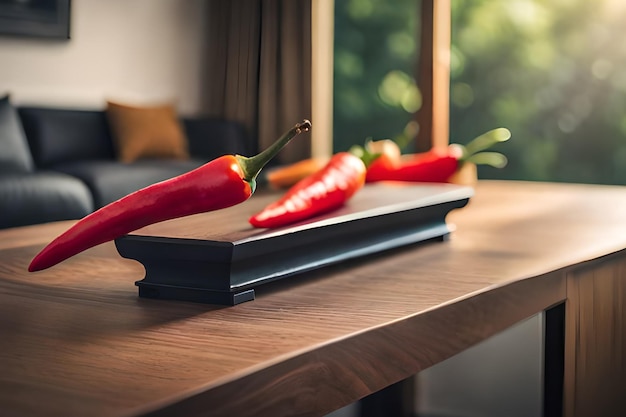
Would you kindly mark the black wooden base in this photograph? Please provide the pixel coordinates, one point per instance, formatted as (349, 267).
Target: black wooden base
(226, 272)
(198, 295)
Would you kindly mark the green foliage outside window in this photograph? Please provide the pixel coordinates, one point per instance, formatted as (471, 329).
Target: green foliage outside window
(375, 94)
(552, 72)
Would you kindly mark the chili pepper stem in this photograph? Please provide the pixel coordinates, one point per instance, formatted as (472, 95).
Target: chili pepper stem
(409, 133)
(251, 166)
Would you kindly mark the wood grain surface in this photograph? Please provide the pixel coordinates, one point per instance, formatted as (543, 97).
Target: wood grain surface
(76, 340)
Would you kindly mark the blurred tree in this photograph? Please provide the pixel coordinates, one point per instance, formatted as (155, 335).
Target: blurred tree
(554, 73)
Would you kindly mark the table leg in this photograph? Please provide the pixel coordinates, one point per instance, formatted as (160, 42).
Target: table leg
(396, 400)
(554, 352)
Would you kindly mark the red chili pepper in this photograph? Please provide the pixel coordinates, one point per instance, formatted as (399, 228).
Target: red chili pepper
(436, 165)
(323, 191)
(431, 166)
(221, 183)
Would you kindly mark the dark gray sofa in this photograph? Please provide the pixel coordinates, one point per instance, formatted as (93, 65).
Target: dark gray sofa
(60, 164)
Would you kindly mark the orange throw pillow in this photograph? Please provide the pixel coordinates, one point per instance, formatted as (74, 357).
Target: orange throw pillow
(146, 132)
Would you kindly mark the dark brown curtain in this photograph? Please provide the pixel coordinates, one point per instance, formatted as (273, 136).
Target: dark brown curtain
(259, 68)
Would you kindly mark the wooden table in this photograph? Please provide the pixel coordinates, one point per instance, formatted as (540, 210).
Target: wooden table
(75, 340)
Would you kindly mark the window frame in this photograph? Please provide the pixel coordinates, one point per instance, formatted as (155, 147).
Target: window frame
(433, 75)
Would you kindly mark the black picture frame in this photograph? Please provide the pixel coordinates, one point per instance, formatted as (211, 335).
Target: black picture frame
(35, 18)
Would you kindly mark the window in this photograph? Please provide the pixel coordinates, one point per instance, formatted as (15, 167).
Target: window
(552, 72)
(375, 93)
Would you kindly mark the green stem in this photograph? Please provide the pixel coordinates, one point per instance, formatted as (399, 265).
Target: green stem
(487, 140)
(251, 166)
(408, 134)
(363, 154)
(494, 159)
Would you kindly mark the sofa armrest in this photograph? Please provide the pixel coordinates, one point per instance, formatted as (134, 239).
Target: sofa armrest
(210, 138)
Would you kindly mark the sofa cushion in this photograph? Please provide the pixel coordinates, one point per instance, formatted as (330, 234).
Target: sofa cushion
(41, 197)
(62, 135)
(15, 155)
(111, 180)
(146, 132)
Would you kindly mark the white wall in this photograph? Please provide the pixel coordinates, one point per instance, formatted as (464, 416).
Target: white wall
(501, 376)
(138, 50)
